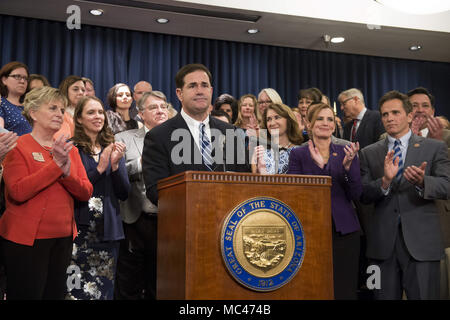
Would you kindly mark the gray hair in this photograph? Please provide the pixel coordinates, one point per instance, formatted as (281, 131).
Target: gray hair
(353, 92)
(157, 94)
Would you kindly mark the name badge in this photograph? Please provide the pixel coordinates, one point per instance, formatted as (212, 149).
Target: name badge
(38, 156)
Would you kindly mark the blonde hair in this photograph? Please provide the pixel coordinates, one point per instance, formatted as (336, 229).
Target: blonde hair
(272, 94)
(240, 121)
(37, 97)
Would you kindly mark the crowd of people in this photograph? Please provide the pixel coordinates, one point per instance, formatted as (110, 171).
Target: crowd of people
(79, 180)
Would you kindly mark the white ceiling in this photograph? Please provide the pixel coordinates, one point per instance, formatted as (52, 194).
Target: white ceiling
(287, 23)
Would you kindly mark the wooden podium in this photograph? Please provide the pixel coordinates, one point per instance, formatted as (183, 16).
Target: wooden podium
(192, 209)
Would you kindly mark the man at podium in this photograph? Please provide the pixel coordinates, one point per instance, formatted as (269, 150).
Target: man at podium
(191, 139)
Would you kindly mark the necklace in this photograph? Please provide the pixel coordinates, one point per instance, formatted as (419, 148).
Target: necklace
(285, 147)
(46, 148)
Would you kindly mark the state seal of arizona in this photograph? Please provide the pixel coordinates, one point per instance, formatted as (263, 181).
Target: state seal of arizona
(262, 243)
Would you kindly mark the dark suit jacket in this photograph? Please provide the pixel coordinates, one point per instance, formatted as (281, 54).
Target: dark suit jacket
(418, 215)
(159, 153)
(369, 129)
(345, 186)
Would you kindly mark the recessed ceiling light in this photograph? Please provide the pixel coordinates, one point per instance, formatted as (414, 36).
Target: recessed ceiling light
(162, 20)
(337, 39)
(96, 12)
(252, 31)
(415, 47)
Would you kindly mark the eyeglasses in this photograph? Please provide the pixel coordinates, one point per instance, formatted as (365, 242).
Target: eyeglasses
(345, 101)
(264, 101)
(18, 77)
(163, 107)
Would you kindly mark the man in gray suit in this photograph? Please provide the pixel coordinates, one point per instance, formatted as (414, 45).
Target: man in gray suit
(403, 175)
(136, 269)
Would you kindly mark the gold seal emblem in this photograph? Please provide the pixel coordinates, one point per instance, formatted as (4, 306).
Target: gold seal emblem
(262, 243)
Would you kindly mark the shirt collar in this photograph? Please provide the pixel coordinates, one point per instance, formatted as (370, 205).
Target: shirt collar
(191, 121)
(404, 140)
(361, 114)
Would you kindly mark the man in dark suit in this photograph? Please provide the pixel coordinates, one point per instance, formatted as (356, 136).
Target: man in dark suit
(176, 145)
(425, 124)
(366, 126)
(403, 175)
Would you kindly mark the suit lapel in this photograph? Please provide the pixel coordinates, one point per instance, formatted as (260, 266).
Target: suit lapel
(138, 139)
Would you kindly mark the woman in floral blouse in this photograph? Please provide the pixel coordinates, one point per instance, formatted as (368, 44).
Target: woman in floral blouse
(282, 130)
(100, 226)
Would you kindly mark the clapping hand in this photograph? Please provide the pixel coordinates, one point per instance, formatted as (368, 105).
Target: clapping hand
(60, 150)
(435, 128)
(253, 126)
(103, 162)
(351, 150)
(418, 122)
(390, 168)
(117, 153)
(7, 142)
(258, 159)
(315, 155)
(415, 175)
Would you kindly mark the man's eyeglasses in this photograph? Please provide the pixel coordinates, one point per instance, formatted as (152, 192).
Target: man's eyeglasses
(345, 101)
(163, 107)
(18, 77)
(264, 101)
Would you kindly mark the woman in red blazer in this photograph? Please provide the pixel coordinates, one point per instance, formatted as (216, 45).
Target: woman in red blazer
(42, 178)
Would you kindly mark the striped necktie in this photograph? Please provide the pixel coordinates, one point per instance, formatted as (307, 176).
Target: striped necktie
(355, 122)
(205, 148)
(398, 153)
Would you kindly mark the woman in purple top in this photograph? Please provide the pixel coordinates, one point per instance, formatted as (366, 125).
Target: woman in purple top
(322, 157)
(13, 86)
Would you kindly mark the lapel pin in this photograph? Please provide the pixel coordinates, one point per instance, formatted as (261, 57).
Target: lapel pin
(416, 145)
(38, 156)
(334, 154)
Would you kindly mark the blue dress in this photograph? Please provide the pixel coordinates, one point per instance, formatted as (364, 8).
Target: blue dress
(13, 118)
(99, 225)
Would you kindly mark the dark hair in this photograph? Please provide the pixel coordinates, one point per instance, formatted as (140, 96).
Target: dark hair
(292, 128)
(40, 77)
(189, 68)
(80, 138)
(394, 94)
(313, 94)
(66, 83)
(421, 90)
(112, 95)
(221, 113)
(5, 71)
(227, 99)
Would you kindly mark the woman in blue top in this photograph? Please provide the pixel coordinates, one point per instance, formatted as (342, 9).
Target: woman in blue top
(282, 129)
(98, 220)
(13, 86)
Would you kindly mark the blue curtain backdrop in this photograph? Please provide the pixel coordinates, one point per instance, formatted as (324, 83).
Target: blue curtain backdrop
(109, 56)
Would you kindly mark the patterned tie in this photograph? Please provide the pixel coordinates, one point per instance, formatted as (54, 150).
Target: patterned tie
(355, 122)
(398, 153)
(205, 148)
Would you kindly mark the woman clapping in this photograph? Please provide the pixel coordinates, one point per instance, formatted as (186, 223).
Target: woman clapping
(100, 226)
(42, 178)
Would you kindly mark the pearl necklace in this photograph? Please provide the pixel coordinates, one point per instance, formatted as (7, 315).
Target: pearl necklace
(46, 148)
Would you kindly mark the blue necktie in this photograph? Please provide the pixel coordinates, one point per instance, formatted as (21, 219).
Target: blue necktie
(398, 153)
(205, 148)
